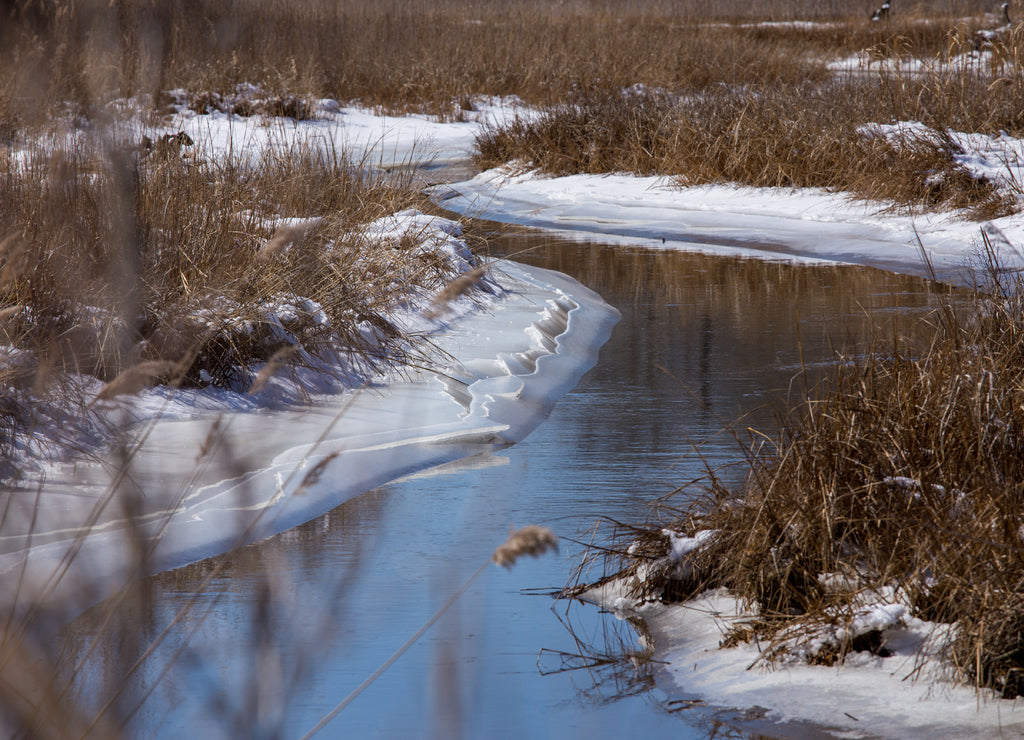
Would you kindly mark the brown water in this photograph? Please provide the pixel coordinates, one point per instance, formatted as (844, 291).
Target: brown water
(288, 628)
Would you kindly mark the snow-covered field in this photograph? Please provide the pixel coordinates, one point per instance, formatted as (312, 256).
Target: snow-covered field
(370, 139)
(652, 212)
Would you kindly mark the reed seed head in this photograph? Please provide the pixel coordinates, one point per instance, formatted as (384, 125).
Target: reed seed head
(278, 360)
(285, 237)
(455, 289)
(137, 377)
(530, 540)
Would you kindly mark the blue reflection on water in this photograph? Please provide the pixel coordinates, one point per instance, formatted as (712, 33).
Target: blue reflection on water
(297, 622)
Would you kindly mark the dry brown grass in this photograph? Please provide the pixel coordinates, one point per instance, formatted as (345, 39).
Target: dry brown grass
(150, 246)
(757, 107)
(168, 269)
(418, 55)
(905, 477)
(755, 103)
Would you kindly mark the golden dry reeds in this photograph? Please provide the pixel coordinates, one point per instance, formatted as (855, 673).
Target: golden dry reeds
(125, 270)
(754, 100)
(138, 272)
(135, 378)
(201, 250)
(458, 287)
(906, 477)
(423, 55)
(788, 136)
(532, 540)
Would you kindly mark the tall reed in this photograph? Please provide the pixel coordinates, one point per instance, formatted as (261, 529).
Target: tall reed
(902, 480)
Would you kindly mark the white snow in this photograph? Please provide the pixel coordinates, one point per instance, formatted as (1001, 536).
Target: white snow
(996, 158)
(679, 545)
(371, 139)
(504, 365)
(772, 223)
(869, 696)
(981, 62)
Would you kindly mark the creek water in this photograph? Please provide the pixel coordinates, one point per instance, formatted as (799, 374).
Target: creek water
(267, 642)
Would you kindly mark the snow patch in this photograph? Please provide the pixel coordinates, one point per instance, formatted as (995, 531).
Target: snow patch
(807, 225)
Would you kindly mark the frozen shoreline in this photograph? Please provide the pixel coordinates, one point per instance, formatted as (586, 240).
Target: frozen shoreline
(868, 696)
(510, 361)
(775, 224)
(801, 226)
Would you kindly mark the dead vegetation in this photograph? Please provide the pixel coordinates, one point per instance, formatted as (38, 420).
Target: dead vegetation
(756, 104)
(137, 270)
(729, 93)
(901, 482)
(194, 273)
(787, 136)
(82, 53)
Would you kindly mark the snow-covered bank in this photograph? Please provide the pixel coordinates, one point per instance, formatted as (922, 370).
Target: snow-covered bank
(867, 697)
(267, 471)
(273, 469)
(374, 139)
(722, 219)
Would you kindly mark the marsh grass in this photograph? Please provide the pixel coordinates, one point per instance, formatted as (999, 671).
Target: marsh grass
(423, 55)
(755, 101)
(779, 135)
(174, 268)
(904, 476)
(137, 269)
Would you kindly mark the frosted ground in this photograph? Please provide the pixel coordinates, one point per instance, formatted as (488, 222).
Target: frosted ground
(521, 346)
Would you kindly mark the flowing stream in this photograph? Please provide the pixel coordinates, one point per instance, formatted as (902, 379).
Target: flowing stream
(268, 641)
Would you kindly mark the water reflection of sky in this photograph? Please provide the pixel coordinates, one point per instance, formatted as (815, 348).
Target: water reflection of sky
(701, 341)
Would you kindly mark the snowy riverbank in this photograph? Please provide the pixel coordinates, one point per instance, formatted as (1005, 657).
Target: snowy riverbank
(868, 696)
(795, 225)
(513, 361)
(651, 212)
(199, 483)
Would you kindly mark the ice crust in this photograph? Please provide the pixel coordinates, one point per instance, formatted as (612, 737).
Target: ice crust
(274, 469)
(807, 225)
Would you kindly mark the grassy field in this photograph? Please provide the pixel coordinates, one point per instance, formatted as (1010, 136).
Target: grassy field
(431, 54)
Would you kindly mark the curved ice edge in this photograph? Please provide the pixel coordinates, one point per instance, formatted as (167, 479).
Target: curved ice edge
(409, 427)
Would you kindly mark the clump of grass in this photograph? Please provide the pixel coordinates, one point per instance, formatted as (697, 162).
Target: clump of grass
(247, 103)
(783, 136)
(903, 483)
(199, 273)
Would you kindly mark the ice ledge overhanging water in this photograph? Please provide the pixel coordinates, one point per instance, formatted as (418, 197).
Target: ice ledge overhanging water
(797, 225)
(507, 367)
